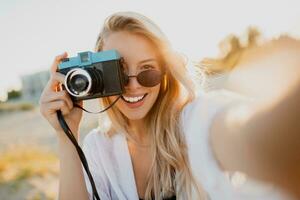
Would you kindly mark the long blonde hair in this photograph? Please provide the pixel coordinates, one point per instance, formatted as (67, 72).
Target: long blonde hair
(170, 171)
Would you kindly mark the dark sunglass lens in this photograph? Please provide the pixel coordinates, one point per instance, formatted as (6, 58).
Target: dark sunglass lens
(149, 78)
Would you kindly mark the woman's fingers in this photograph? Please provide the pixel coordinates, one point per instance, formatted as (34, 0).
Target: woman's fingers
(56, 61)
(55, 80)
(52, 98)
(61, 95)
(51, 107)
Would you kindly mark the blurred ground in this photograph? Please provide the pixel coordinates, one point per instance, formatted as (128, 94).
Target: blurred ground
(28, 154)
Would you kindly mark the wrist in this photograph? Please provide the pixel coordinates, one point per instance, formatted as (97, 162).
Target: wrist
(63, 138)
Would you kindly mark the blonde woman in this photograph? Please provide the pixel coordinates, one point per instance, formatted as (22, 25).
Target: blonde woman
(165, 141)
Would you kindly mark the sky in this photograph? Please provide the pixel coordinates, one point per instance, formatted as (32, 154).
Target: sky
(33, 32)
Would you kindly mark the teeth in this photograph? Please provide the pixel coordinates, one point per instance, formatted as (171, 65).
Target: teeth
(133, 99)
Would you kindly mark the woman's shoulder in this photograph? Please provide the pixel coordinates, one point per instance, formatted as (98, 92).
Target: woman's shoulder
(98, 138)
(93, 137)
(206, 104)
(216, 97)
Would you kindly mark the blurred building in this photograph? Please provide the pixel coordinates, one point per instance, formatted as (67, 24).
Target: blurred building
(33, 85)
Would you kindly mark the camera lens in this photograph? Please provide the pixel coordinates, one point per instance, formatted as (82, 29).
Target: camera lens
(79, 83)
(83, 82)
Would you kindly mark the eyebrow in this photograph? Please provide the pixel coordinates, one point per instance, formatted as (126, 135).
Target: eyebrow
(147, 60)
(144, 61)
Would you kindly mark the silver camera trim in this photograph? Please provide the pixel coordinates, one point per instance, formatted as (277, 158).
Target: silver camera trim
(74, 72)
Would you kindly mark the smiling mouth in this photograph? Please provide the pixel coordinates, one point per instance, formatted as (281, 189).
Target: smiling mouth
(136, 99)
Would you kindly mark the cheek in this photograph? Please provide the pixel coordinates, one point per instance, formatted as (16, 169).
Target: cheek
(157, 89)
(155, 92)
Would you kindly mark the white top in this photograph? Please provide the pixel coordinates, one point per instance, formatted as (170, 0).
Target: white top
(110, 162)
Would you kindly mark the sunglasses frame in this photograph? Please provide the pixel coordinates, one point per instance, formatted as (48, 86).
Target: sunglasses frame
(161, 74)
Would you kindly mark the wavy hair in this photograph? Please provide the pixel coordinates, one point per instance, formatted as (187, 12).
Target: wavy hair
(170, 172)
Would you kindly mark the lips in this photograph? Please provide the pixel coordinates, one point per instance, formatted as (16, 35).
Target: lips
(134, 102)
(133, 99)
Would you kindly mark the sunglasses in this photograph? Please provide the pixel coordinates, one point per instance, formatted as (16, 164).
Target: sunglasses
(147, 78)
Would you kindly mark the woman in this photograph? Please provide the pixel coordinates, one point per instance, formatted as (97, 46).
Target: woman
(161, 140)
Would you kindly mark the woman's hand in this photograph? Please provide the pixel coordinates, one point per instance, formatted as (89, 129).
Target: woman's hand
(53, 100)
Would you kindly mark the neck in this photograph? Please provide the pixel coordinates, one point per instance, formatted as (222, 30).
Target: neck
(137, 131)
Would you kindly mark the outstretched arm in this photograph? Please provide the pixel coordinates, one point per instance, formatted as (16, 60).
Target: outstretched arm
(265, 143)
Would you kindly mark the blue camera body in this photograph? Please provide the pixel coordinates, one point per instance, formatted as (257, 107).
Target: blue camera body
(92, 75)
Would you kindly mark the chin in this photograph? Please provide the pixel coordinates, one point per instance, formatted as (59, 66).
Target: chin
(137, 111)
(135, 106)
(135, 117)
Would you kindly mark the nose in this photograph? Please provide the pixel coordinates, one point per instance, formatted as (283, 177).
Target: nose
(132, 83)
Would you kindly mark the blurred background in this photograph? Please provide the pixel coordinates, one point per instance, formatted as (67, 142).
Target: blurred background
(231, 41)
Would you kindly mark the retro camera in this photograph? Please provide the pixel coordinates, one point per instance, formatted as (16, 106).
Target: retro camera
(92, 75)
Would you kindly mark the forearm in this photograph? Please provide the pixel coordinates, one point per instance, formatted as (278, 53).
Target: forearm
(71, 179)
(274, 135)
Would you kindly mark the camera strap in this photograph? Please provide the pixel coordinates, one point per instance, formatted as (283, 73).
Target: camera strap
(108, 107)
(82, 157)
